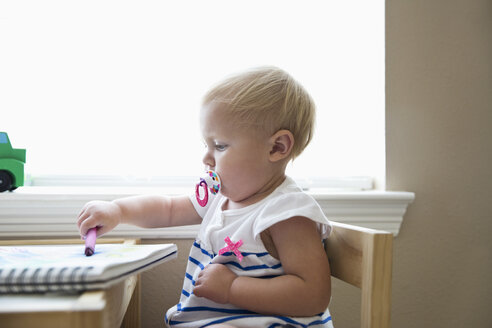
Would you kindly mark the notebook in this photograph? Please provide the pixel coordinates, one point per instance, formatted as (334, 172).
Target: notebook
(62, 268)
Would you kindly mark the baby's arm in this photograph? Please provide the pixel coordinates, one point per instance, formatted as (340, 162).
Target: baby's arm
(143, 211)
(304, 290)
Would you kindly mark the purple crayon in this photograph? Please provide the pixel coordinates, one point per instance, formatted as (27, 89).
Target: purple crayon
(90, 242)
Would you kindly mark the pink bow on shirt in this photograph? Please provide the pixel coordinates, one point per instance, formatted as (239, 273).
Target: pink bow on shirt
(232, 247)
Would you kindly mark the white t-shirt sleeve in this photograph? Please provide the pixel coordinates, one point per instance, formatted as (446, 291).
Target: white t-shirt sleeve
(290, 205)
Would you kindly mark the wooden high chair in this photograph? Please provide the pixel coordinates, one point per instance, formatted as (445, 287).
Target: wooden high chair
(363, 258)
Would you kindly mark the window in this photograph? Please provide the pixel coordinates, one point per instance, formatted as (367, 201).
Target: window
(113, 87)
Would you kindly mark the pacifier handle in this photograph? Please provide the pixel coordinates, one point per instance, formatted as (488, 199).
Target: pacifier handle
(201, 201)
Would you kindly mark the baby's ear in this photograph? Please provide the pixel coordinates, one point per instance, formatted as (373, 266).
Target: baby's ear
(281, 145)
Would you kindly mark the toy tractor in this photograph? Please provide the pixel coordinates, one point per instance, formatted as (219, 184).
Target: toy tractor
(11, 164)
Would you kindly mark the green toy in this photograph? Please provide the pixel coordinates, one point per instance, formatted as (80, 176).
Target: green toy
(11, 164)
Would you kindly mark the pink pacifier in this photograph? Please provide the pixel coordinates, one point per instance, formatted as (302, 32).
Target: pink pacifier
(209, 182)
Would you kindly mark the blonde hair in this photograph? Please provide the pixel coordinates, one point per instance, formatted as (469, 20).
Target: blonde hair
(267, 99)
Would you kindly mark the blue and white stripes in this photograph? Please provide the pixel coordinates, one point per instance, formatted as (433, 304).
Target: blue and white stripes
(194, 311)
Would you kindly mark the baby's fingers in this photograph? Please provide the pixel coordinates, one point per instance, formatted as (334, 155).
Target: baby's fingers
(86, 223)
(82, 216)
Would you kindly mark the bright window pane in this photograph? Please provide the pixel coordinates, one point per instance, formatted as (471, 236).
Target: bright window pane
(114, 87)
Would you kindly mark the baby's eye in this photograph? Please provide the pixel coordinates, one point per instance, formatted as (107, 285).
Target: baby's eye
(220, 147)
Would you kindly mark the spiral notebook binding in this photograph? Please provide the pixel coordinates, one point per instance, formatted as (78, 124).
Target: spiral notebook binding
(42, 280)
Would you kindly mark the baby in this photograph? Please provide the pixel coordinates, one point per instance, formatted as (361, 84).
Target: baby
(258, 259)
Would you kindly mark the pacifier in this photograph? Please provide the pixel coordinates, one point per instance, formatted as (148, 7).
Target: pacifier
(209, 182)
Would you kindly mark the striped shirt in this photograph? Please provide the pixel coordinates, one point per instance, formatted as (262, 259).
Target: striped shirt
(243, 224)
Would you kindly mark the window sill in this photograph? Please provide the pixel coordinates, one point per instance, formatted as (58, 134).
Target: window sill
(48, 212)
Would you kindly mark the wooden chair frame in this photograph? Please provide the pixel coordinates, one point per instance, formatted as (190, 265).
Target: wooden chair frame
(363, 258)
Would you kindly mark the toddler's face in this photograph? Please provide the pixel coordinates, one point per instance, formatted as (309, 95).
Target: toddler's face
(238, 155)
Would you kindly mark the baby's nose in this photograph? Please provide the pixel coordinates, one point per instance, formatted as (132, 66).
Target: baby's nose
(209, 161)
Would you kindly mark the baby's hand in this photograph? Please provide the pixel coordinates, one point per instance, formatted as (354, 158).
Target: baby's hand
(214, 283)
(101, 214)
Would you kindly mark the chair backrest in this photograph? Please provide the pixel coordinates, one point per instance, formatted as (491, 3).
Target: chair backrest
(363, 258)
